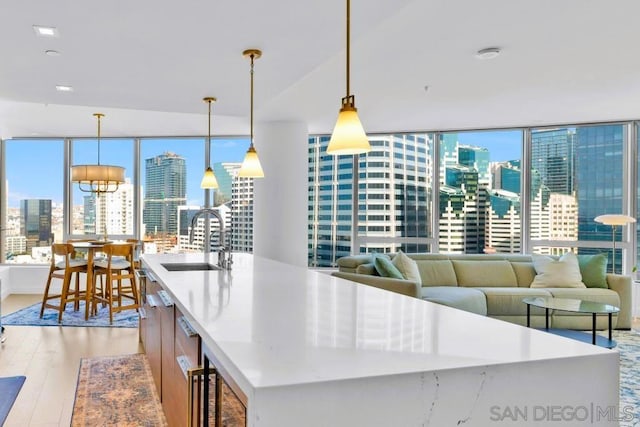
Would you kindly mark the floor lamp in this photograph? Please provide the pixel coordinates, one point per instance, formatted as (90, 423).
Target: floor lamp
(614, 220)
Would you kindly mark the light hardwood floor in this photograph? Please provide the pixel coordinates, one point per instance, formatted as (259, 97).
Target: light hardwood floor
(50, 358)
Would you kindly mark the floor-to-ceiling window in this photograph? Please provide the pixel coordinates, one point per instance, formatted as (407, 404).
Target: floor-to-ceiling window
(480, 179)
(577, 174)
(492, 197)
(155, 203)
(33, 193)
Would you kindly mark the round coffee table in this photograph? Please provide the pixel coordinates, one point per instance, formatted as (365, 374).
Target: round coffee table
(575, 306)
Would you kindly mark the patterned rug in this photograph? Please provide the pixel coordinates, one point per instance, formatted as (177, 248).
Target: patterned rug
(30, 316)
(109, 386)
(9, 389)
(629, 348)
(116, 391)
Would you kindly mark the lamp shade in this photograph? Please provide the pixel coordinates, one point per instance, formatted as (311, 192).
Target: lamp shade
(97, 178)
(209, 180)
(348, 135)
(614, 219)
(251, 167)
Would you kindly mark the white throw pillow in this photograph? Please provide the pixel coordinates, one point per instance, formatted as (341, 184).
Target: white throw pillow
(408, 267)
(564, 273)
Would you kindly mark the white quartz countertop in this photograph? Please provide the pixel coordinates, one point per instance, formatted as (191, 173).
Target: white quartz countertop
(273, 324)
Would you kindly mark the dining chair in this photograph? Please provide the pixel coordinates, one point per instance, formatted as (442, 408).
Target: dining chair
(115, 268)
(64, 270)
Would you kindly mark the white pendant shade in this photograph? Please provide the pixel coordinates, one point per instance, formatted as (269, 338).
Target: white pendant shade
(97, 178)
(348, 135)
(251, 167)
(209, 180)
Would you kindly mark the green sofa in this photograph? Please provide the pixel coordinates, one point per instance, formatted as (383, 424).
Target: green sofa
(493, 285)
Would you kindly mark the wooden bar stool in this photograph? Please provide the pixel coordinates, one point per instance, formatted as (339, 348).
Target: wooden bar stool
(63, 270)
(115, 268)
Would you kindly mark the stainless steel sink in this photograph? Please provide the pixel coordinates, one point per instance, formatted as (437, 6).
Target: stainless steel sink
(189, 266)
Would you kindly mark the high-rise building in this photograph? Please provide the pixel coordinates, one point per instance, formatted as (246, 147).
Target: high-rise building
(394, 197)
(225, 176)
(165, 189)
(553, 156)
(89, 214)
(115, 210)
(599, 181)
(35, 222)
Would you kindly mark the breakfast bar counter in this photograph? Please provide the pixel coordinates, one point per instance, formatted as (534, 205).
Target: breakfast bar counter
(306, 348)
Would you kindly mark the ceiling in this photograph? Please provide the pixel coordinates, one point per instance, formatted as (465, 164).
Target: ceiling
(147, 64)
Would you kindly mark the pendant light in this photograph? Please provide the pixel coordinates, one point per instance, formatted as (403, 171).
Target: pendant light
(209, 179)
(251, 167)
(97, 178)
(348, 135)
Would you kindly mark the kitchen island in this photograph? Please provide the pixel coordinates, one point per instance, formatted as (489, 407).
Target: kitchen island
(305, 348)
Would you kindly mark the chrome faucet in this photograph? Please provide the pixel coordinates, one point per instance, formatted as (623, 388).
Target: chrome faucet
(225, 257)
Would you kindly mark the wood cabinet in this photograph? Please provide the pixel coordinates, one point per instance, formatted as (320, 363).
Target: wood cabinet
(187, 359)
(175, 354)
(150, 332)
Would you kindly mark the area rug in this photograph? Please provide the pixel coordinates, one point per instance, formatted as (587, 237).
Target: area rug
(629, 348)
(30, 316)
(116, 391)
(9, 389)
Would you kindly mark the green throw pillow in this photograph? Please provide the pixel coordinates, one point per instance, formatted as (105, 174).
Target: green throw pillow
(385, 267)
(594, 270)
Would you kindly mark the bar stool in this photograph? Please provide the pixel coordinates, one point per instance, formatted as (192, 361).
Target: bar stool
(117, 266)
(63, 270)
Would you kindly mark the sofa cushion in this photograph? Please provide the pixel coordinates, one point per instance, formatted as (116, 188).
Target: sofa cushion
(508, 301)
(368, 268)
(437, 273)
(349, 264)
(525, 273)
(467, 299)
(385, 267)
(563, 273)
(593, 269)
(407, 267)
(604, 296)
(484, 273)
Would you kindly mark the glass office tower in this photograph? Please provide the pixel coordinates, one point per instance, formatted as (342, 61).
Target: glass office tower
(165, 189)
(35, 223)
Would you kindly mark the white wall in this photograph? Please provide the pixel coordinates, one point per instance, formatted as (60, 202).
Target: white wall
(4, 280)
(27, 279)
(280, 198)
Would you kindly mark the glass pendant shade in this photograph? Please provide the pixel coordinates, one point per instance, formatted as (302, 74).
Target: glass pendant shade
(348, 135)
(209, 180)
(251, 167)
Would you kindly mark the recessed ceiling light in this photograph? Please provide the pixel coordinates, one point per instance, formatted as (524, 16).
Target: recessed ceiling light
(488, 53)
(64, 88)
(52, 52)
(44, 31)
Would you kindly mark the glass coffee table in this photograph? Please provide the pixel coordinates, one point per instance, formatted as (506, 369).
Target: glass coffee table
(575, 306)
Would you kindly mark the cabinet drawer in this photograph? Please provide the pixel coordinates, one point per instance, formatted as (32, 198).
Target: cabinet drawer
(187, 341)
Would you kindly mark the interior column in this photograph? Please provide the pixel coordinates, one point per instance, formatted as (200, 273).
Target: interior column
(280, 206)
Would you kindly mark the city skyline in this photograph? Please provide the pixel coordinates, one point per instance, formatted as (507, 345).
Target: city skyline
(30, 186)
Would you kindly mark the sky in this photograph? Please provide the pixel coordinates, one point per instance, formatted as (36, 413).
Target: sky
(42, 179)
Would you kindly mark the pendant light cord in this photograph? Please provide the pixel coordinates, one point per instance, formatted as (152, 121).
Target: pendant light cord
(209, 136)
(252, 56)
(348, 43)
(99, 116)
